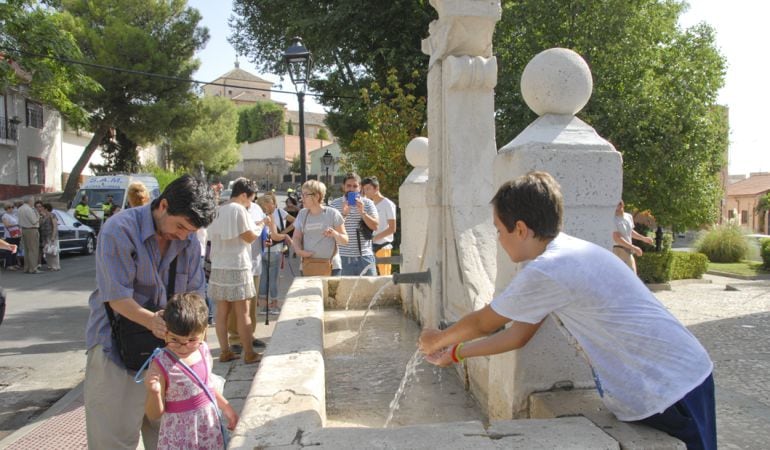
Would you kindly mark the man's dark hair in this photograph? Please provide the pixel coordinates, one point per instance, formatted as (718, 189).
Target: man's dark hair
(372, 181)
(48, 207)
(535, 199)
(191, 198)
(351, 176)
(243, 185)
(186, 314)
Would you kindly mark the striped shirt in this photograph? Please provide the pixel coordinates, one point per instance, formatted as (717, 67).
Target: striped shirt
(351, 225)
(129, 265)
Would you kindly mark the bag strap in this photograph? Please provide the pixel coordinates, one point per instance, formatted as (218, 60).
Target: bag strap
(323, 213)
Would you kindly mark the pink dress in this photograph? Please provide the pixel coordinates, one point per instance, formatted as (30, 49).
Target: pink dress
(190, 419)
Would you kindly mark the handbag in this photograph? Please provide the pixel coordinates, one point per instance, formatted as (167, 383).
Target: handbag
(313, 267)
(14, 231)
(51, 248)
(134, 342)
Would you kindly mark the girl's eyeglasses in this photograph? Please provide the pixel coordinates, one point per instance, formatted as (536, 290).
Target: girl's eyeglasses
(179, 343)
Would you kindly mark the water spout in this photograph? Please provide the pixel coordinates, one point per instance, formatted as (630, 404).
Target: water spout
(412, 278)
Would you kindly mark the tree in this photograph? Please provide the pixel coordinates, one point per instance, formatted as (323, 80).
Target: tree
(394, 117)
(211, 140)
(322, 134)
(119, 153)
(147, 36)
(296, 165)
(29, 33)
(655, 88)
(264, 120)
(290, 128)
(351, 46)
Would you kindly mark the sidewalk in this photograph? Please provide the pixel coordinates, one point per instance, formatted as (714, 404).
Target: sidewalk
(63, 425)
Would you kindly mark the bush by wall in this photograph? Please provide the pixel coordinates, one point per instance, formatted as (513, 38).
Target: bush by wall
(764, 250)
(723, 243)
(654, 267)
(685, 265)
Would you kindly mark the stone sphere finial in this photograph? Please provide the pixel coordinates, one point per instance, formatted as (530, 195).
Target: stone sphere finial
(556, 81)
(417, 152)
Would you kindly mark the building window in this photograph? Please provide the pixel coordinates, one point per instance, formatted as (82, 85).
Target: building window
(744, 217)
(36, 167)
(34, 115)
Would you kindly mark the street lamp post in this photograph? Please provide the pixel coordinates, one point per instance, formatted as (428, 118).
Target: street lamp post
(298, 63)
(327, 159)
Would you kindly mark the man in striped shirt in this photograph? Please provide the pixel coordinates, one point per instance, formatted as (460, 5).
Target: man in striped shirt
(360, 221)
(133, 259)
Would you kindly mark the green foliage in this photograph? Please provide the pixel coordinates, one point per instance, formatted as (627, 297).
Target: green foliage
(654, 267)
(153, 36)
(119, 153)
(211, 140)
(264, 120)
(352, 46)
(290, 128)
(395, 116)
(723, 243)
(686, 265)
(655, 88)
(164, 177)
(296, 165)
(765, 252)
(322, 135)
(29, 32)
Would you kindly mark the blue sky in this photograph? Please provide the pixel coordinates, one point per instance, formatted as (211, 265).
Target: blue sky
(742, 34)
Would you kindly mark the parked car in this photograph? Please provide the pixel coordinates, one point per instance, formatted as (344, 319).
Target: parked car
(74, 237)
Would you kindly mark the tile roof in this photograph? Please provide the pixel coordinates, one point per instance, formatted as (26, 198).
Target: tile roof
(757, 183)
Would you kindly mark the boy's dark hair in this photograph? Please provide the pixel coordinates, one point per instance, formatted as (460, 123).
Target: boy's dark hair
(351, 176)
(535, 199)
(243, 185)
(186, 314)
(191, 198)
(48, 207)
(372, 181)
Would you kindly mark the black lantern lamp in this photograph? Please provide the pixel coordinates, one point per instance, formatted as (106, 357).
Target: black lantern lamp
(299, 65)
(327, 160)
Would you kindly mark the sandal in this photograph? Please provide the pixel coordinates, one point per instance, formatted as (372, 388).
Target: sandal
(251, 358)
(227, 355)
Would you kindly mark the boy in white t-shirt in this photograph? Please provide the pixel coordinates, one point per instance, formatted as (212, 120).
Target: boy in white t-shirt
(648, 367)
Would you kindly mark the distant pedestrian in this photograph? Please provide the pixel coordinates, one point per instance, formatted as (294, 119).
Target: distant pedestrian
(382, 241)
(49, 235)
(624, 232)
(29, 221)
(12, 235)
(179, 384)
(361, 219)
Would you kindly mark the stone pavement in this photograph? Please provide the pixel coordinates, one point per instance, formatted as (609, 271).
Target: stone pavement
(730, 317)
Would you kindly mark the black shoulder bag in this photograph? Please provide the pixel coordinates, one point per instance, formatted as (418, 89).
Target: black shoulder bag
(133, 342)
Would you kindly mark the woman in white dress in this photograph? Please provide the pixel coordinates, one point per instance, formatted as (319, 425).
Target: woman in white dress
(230, 283)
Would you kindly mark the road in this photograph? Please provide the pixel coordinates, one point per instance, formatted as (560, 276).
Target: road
(42, 339)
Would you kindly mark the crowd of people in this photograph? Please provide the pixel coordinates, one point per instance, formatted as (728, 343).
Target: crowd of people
(31, 228)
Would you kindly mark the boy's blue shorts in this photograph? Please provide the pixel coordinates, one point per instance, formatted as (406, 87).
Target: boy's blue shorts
(692, 419)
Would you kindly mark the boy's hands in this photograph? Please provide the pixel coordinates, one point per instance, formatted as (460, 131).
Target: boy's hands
(441, 358)
(429, 341)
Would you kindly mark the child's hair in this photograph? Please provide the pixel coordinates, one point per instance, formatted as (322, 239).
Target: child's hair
(535, 199)
(186, 314)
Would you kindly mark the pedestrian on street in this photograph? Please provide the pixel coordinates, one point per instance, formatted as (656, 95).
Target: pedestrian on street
(361, 220)
(624, 247)
(134, 255)
(12, 235)
(29, 221)
(49, 235)
(382, 241)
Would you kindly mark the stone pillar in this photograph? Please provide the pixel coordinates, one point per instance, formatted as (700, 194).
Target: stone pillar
(414, 237)
(461, 78)
(556, 84)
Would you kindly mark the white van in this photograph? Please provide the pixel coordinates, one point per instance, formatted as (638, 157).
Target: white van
(97, 188)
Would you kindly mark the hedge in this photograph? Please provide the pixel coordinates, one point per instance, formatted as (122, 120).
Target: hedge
(764, 250)
(666, 266)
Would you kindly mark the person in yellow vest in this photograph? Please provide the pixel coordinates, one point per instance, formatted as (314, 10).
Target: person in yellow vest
(108, 207)
(82, 211)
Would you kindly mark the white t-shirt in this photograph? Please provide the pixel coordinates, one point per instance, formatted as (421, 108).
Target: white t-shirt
(386, 210)
(257, 215)
(644, 359)
(625, 225)
(228, 250)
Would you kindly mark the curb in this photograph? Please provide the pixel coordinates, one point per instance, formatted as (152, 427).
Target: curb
(55, 409)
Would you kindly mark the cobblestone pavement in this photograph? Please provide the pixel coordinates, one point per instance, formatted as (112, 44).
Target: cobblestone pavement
(732, 320)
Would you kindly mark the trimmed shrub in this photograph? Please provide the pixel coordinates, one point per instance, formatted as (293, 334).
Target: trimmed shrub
(685, 265)
(765, 252)
(723, 243)
(654, 267)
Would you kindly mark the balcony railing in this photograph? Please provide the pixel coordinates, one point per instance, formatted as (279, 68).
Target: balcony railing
(8, 128)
